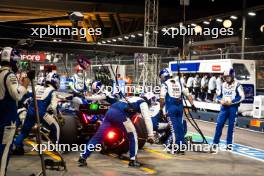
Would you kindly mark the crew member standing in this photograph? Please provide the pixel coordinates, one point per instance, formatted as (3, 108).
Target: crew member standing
(231, 95)
(204, 87)
(10, 94)
(211, 88)
(196, 86)
(189, 84)
(171, 94)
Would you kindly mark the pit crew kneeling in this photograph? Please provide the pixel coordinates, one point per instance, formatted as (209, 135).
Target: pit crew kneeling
(119, 115)
(230, 96)
(47, 103)
(171, 96)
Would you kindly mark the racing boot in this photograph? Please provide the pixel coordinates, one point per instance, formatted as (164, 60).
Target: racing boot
(214, 148)
(82, 162)
(18, 151)
(134, 163)
(229, 148)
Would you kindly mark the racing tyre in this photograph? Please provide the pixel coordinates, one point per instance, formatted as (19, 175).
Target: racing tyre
(141, 130)
(69, 132)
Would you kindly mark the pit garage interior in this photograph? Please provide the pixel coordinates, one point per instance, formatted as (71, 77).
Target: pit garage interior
(135, 40)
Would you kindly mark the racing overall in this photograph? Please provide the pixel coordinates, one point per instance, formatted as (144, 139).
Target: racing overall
(78, 86)
(171, 91)
(10, 93)
(118, 116)
(23, 105)
(47, 101)
(158, 123)
(235, 93)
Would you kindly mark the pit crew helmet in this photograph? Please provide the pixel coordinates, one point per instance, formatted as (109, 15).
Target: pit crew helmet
(79, 70)
(10, 57)
(164, 74)
(96, 86)
(229, 75)
(53, 79)
(149, 97)
(41, 80)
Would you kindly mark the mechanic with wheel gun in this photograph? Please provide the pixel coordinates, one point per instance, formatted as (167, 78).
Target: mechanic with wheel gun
(231, 94)
(119, 115)
(171, 96)
(10, 93)
(47, 103)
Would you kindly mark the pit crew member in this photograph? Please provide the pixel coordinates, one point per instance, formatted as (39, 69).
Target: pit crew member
(119, 115)
(10, 93)
(230, 97)
(47, 102)
(171, 95)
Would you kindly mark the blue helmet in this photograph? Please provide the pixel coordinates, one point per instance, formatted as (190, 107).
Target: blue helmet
(164, 74)
(53, 79)
(41, 80)
(96, 86)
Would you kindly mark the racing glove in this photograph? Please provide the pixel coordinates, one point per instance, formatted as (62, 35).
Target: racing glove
(151, 139)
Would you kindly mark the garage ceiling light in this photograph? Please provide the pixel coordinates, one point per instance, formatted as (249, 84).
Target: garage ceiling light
(206, 22)
(193, 24)
(103, 42)
(140, 35)
(198, 29)
(155, 32)
(219, 20)
(227, 23)
(262, 28)
(108, 41)
(233, 17)
(133, 36)
(251, 13)
(126, 37)
(119, 38)
(114, 40)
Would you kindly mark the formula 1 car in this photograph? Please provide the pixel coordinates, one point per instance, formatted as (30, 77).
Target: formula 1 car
(81, 126)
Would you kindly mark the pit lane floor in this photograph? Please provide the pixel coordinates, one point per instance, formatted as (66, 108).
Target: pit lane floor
(156, 161)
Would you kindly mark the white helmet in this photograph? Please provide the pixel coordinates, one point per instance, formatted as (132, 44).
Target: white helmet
(10, 56)
(41, 80)
(53, 79)
(229, 75)
(149, 97)
(229, 72)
